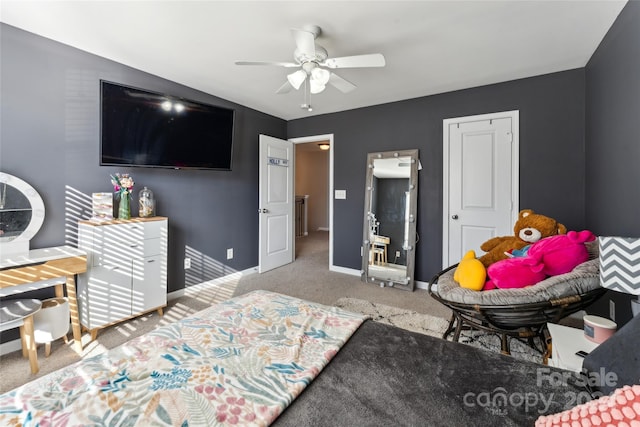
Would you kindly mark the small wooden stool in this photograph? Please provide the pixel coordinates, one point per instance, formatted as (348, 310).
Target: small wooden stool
(19, 313)
(379, 256)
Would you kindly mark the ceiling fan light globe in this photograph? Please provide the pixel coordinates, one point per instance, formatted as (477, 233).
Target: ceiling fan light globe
(315, 87)
(296, 79)
(320, 75)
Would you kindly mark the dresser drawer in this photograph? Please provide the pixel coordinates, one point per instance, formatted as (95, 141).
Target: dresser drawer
(155, 229)
(153, 247)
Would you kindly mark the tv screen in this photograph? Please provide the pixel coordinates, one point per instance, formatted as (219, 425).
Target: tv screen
(143, 128)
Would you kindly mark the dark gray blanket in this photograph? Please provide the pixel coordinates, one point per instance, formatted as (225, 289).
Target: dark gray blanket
(386, 376)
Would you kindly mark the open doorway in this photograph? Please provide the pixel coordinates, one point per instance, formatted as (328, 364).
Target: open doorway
(313, 188)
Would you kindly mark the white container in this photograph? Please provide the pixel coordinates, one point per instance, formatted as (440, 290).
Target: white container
(102, 207)
(146, 203)
(52, 321)
(598, 329)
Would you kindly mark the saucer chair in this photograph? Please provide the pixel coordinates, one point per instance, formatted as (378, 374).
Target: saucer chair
(522, 313)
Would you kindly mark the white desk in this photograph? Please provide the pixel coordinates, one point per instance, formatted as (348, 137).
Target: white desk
(49, 267)
(565, 342)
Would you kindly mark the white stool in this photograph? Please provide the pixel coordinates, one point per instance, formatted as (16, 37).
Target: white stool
(51, 322)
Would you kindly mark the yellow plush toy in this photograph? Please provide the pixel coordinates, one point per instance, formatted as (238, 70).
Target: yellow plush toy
(471, 273)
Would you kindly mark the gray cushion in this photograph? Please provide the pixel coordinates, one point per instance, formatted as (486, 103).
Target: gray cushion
(580, 280)
(619, 357)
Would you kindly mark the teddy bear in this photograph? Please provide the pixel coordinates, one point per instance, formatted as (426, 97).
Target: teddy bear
(529, 228)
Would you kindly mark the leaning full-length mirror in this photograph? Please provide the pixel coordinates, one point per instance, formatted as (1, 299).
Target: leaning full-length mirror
(389, 235)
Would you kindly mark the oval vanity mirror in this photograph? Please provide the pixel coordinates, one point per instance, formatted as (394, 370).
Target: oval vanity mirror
(389, 234)
(21, 216)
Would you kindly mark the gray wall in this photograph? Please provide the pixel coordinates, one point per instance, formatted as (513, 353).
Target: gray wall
(613, 128)
(612, 138)
(50, 138)
(552, 165)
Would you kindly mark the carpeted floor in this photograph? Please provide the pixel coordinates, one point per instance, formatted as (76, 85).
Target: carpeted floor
(435, 326)
(307, 278)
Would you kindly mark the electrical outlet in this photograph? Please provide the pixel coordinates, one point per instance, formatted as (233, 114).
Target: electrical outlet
(230, 253)
(187, 263)
(397, 254)
(612, 310)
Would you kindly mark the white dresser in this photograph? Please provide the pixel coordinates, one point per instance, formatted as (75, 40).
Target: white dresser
(126, 270)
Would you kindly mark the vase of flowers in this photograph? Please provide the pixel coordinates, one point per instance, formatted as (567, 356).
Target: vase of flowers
(123, 186)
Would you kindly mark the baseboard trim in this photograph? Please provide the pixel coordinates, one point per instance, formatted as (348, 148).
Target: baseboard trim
(422, 285)
(354, 272)
(344, 270)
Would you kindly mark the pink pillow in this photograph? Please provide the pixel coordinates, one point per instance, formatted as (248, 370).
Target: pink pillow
(621, 408)
(562, 253)
(514, 273)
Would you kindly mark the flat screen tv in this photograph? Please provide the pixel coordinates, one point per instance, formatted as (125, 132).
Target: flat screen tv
(143, 128)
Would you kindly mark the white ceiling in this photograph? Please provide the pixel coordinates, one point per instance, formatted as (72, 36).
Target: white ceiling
(430, 46)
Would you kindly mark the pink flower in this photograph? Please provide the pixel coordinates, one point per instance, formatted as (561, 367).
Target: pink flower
(231, 411)
(71, 383)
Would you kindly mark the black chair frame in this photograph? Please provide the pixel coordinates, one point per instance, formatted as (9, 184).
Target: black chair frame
(522, 321)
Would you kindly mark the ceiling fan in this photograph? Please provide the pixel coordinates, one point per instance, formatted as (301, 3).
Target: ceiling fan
(313, 61)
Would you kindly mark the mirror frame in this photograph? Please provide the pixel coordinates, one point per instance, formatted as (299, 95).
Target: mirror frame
(409, 283)
(20, 245)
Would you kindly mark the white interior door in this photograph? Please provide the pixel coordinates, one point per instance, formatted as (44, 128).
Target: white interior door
(481, 182)
(276, 203)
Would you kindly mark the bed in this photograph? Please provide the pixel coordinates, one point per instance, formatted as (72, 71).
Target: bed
(244, 361)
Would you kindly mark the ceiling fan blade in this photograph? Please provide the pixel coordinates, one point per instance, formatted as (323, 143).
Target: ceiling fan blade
(305, 42)
(341, 84)
(279, 64)
(285, 88)
(357, 61)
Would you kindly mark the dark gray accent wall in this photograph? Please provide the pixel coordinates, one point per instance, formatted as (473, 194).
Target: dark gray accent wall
(50, 138)
(613, 128)
(552, 154)
(613, 139)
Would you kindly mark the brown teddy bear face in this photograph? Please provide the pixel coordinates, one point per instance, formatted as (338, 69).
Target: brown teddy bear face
(530, 234)
(532, 227)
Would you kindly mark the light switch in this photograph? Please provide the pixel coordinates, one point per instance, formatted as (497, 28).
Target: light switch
(341, 194)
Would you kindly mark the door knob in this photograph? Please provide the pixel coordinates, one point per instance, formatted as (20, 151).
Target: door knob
(454, 216)
(263, 211)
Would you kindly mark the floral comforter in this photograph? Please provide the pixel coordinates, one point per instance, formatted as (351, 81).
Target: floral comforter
(240, 362)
